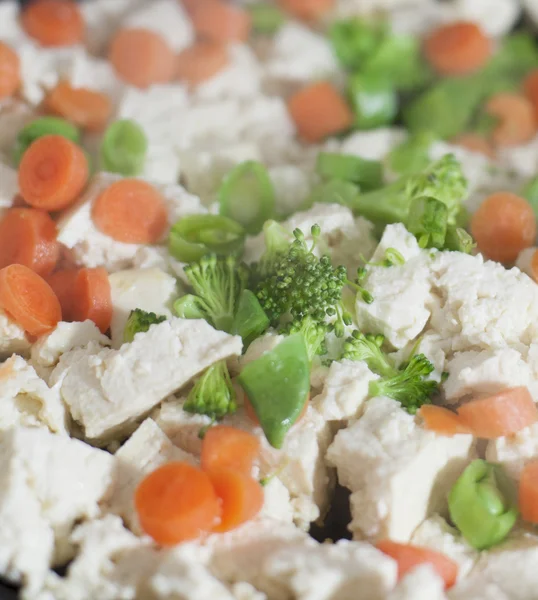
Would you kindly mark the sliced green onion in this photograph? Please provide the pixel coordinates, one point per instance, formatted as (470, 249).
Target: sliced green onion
(458, 240)
(247, 196)
(197, 235)
(266, 18)
(124, 148)
(530, 193)
(428, 221)
(40, 127)
(250, 320)
(347, 167)
(334, 191)
(374, 101)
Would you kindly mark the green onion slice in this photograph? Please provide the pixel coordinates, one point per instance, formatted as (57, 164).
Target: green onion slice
(124, 148)
(347, 167)
(266, 18)
(40, 127)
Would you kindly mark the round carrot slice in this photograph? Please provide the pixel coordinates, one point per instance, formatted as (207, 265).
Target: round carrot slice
(53, 22)
(441, 420)
(52, 173)
(142, 57)
(530, 87)
(499, 415)
(28, 237)
(241, 497)
(86, 108)
(220, 21)
(176, 503)
(503, 226)
(29, 300)
(201, 61)
(10, 71)
(457, 49)
(307, 10)
(131, 211)
(528, 492)
(475, 143)
(517, 121)
(226, 447)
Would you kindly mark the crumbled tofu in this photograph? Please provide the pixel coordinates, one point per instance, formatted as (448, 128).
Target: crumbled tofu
(396, 237)
(421, 583)
(398, 473)
(13, 338)
(244, 591)
(277, 503)
(162, 165)
(9, 185)
(373, 145)
(292, 186)
(514, 451)
(11, 31)
(151, 290)
(106, 392)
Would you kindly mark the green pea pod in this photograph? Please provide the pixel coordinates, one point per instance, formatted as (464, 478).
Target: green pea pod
(354, 40)
(266, 17)
(347, 167)
(247, 196)
(195, 236)
(124, 148)
(40, 127)
(277, 385)
(334, 191)
(374, 101)
(412, 155)
(482, 504)
(250, 320)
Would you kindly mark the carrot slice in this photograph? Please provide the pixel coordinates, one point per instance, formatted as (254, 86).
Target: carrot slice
(458, 48)
(29, 300)
(131, 211)
(10, 71)
(142, 57)
(528, 492)
(319, 111)
(86, 108)
(499, 415)
(52, 173)
(241, 496)
(503, 226)
(530, 87)
(441, 420)
(308, 10)
(84, 294)
(251, 413)
(177, 502)
(28, 237)
(226, 447)
(53, 22)
(201, 61)
(475, 143)
(409, 556)
(220, 21)
(517, 121)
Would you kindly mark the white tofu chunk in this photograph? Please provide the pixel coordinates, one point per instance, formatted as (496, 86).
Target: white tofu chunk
(398, 238)
(26, 400)
(515, 451)
(244, 591)
(13, 338)
(162, 165)
(9, 185)
(106, 392)
(398, 473)
(373, 145)
(48, 483)
(11, 31)
(292, 186)
(421, 583)
(277, 503)
(151, 290)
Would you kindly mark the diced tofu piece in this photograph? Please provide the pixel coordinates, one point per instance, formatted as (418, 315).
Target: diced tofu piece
(27, 400)
(421, 583)
(514, 451)
(345, 390)
(9, 185)
(106, 392)
(146, 450)
(151, 290)
(13, 338)
(48, 483)
(292, 186)
(398, 238)
(277, 505)
(373, 145)
(398, 473)
(162, 165)
(244, 591)
(11, 31)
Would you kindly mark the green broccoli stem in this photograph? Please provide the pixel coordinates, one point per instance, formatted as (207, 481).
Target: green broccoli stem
(213, 393)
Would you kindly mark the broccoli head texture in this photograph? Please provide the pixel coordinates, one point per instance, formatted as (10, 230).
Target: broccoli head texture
(140, 321)
(213, 393)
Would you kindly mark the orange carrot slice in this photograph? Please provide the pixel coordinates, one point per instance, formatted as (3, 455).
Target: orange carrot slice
(241, 497)
(226, 447)
(53, 22)
(503, 226)
(475, 143)
(441, 420)
(29, 300)
(319, 111)
(201, 61)
(528, 492)
(499, 415)
(220, 21)
(176, 503)
(142, 57)
(517, 121)
(86, 108)
(131, 211)
(530, 88)
(409, 556)
(457, 49)
(28, 237)
(52, 173)
(10, 71)
(307, 10)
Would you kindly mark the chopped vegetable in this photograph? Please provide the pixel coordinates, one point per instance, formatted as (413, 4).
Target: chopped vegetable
(427, 221)
(442, 420)
(354, 40)
(124, 148)
(220, 21)
(528, 492)
(412, 155)
(481, 505)
(227, 447)
(308, 10)
(516, 119)
(373, 99)
(10, 71)
(334, 191)
(140, 321)
(368, 348)
(266, 18)
(213, 393)
(201, 61)
(313, 332)
(250, 320)
(367, 174)
(530, 194)
(458, 240)
(53, 22)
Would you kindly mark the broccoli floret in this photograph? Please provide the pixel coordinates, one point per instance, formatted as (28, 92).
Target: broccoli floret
(277, 242)
(140, 320)
(314, 333)
(217, 283)
(427, 221)
(213, 393)
(368, 348)
(409, 386)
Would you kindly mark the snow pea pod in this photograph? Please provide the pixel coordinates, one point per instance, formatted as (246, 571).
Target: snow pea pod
(368, 174)
(374, 101)
(250, 320)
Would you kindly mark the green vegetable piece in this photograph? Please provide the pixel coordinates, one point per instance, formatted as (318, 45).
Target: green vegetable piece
(353, 40)
(40, 127)
(458, 240)
(427, 221)
(247, 196)
(189, 307)
(368, 348)
(334, 191)
(368, 174)
(277, 385)
(140, 321)
(313, 332)
(530, 193)
(374, 101)
(250, 321)
(517, 55)
(213, 393)
(412, 155)
(124, 148)
(266, 18)
(482, 504)
(194, 236)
